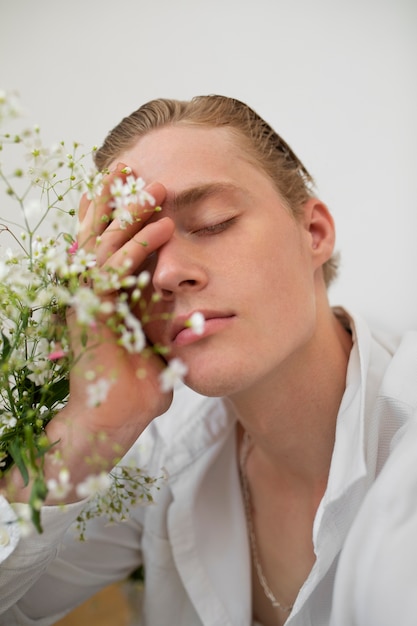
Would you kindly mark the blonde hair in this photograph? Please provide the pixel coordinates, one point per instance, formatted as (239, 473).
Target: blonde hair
(259, 140)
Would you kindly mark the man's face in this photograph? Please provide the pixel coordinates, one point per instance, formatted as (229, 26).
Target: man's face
(236, 255)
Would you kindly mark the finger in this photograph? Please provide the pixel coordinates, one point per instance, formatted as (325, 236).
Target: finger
(97, 214)
(139, 214)
(117, 235)
(128, 259)
(83, 208)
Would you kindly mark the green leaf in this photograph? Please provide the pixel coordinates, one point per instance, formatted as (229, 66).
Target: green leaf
(57, 393)
(7, 348)
(37, 496)
(16, 452)
(84, 337)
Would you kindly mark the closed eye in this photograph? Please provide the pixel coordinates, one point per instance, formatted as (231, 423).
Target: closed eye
(214, 229)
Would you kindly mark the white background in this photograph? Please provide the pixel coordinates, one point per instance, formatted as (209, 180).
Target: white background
(336, 78)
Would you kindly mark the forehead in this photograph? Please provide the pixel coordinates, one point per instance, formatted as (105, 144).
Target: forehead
(182, 156)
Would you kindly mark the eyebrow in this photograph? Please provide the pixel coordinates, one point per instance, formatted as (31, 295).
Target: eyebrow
(184, 199)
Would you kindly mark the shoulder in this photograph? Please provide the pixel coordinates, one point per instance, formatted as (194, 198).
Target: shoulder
(390, 361)
(380, 552)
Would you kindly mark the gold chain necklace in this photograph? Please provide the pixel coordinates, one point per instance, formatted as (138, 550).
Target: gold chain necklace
(251, 531)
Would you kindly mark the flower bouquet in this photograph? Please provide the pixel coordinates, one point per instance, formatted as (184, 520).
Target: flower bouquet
(42, 273)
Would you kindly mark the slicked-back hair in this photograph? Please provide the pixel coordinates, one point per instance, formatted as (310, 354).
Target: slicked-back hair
(263, 146)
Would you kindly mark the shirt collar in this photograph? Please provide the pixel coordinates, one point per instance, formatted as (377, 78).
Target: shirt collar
(353, 461)
(348, 462)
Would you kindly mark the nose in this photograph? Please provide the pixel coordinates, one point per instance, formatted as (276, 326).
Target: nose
(179, 269)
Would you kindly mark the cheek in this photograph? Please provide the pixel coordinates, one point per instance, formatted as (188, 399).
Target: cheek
(283, 280)
(288, 260)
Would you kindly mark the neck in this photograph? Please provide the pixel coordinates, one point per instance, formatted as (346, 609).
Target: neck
(291, 414)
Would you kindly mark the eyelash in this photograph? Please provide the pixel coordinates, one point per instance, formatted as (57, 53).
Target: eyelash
(214, 229)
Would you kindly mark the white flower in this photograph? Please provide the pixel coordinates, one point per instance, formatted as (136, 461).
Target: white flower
(86, 305)
(119, 189)
(132, 337)
(81, 261)
(60, 488)
(172, 374)
(22, 279)
(93, 484)
(40, 371)
(97, 392)
(94, 182)
(56, 260)
(39, 247)
(133, 340)
(144, 279)
(121, 193)
(127, 193)
(196, 322)
(137, 188)
(52, 293)
(106, 281)
(7, 421)
(123, 216)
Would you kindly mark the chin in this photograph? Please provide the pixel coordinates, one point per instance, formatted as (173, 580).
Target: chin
(218, 372)
(214, 385)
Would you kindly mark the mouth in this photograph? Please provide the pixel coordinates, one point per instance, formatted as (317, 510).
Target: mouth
(182, 334)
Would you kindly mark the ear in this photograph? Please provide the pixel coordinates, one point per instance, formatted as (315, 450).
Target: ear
(320, 229)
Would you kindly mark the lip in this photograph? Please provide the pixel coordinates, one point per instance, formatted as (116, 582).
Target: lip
(215, 321)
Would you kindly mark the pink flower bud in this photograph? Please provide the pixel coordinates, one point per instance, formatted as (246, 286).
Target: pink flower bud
(73, 247)
(56, 354)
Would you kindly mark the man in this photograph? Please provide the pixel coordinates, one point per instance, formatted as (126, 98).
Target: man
(272, 448)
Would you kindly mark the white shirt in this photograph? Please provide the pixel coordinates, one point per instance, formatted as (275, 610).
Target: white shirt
(193, 540)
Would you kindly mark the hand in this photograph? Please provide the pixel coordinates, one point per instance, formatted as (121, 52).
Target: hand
(90, 439)
(134, 398)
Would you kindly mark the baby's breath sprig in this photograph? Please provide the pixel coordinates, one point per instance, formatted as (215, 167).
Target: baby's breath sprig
(115, 495)
(42, 273)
